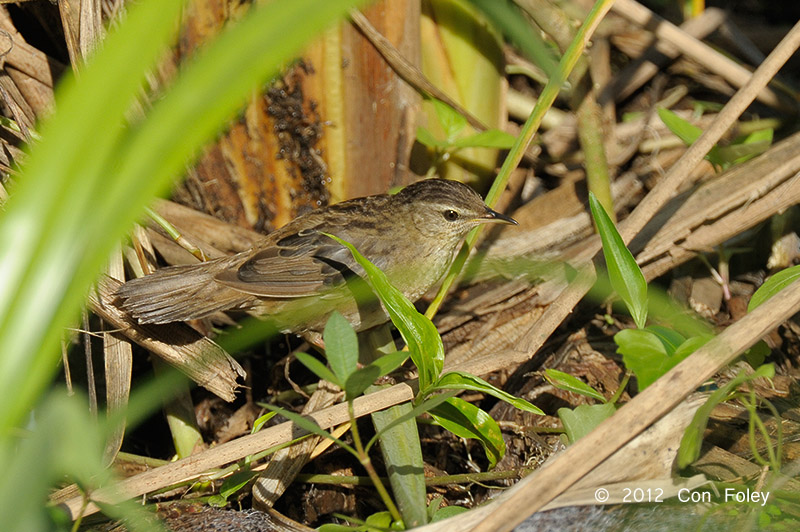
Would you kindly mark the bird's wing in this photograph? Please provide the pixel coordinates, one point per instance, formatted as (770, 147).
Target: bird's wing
(303, 263)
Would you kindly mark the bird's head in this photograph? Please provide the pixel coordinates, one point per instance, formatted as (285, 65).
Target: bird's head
(446, 209)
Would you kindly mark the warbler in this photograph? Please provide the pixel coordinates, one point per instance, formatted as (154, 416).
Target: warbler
(298, 275)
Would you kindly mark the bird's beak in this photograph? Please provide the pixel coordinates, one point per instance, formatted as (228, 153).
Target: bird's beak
(496, 217)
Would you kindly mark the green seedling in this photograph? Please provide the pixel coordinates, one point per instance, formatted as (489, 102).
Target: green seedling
(436, 390)
(742, 148)
(454, 126)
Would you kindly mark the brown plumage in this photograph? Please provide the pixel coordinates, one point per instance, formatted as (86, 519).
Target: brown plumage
(297, 275)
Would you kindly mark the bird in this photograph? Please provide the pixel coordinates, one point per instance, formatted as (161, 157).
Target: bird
(298, 276)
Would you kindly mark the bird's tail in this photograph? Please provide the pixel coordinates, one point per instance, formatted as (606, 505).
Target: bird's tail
(181, 293)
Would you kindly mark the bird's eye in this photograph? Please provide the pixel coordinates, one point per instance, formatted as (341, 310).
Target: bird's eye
(450, 215)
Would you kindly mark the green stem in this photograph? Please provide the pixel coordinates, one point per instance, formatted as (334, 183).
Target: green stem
(363, 457)
(621, 388)
(77, 524)
(757, 424)
(545, 101)
(776, 466)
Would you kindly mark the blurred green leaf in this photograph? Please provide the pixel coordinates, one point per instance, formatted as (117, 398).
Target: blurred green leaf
(773, 285)
(660, 307)
(341, 346)
(625, 275)
(581, 420)
(63, 442)
(702, 106)
(426, 138)
(492, 138)
(424, 343)
(565, 381)
(513, 24)
(458, 380)
(44, 238)
(692, 440)
(468, 421)
(451, 120)
(93, 171)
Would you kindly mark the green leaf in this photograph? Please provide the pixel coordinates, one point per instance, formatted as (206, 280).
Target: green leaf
(723, 157)
(318, 368)
(458, 380)
(581, 420)
(513, 24)
(565, 381)
(468, 421)
(692, 440)
(335, 527)
(382, 520)
(625, 275)
(757, 137)
(684, 130)
(341, 346)
(492, 138)
(434, 505)
(687, 348)
(756, 355)
(418, 410)
(773, 285)
(647, 355)
(232, 485)
(424, 343)
(260, 421)
(426, 138)
(643, 353)
(451, 120)
(363, 378)
(669, 337)
(78, 192)
(402, 454)
(360, 380)
(389, 362)
(688, 133)
(754, 144)
(447, 512)
(702, 106)
(310, 426)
